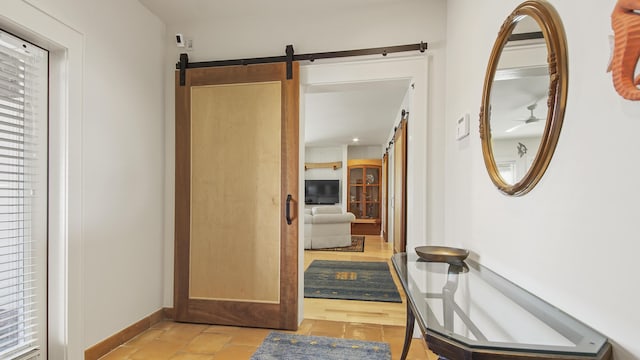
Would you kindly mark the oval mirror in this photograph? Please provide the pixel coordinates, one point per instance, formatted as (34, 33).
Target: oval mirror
(524, 97)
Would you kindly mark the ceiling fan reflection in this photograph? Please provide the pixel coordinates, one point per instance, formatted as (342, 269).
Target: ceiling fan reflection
(531, 119)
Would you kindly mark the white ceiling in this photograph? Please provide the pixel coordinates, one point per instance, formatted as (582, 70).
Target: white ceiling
(522, 80)
(335, 114)
(180, 11)
(509, 101)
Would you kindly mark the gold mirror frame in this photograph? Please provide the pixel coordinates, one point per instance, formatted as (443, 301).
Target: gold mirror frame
(551, 26)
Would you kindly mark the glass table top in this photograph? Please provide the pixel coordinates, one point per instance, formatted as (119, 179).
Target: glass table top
(478, 308)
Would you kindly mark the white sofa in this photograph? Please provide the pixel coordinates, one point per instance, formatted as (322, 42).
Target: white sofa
(327, 227)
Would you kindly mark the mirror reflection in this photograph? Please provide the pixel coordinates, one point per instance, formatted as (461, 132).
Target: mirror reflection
(519, 101)
(524, 97)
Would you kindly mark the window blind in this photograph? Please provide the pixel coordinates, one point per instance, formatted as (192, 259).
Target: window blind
(23, 196)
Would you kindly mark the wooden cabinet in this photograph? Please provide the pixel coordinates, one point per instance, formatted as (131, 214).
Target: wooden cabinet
(365, 195)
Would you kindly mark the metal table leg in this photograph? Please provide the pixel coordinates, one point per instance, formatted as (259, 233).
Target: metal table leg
(411, 319)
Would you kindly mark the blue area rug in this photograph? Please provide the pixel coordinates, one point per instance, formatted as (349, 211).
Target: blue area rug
(299, 347)
(350, 280)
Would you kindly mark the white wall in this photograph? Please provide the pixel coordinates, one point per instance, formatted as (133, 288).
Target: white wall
(115, 146)
(325, 154)
(377, 24)
(573, 240)
(365, 152)
(123, 163)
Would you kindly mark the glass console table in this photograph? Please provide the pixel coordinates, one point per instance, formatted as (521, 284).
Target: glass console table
(466, 311)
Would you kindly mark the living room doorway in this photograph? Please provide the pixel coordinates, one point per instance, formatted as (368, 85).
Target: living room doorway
(317, 78)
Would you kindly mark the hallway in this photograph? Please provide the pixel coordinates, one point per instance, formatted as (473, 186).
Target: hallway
(362, 320)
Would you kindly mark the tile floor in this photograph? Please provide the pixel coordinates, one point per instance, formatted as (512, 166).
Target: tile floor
(362, 320)
(177, 341)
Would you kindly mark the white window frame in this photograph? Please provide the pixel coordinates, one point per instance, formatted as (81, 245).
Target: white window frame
(23, 293)
(38, 22)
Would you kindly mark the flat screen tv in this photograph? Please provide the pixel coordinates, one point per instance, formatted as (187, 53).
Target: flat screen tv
(321, 192)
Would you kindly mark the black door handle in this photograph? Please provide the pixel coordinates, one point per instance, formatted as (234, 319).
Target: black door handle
(288, 210)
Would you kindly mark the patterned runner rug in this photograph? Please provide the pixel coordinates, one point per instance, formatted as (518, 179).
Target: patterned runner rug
(283, 346)
(350, 280)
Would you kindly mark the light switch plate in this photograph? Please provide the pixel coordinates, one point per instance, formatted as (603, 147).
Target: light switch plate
(462, 127)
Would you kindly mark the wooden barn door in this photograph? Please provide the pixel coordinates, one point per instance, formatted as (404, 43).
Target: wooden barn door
(385, 193)
(400, 188)
(236, 237)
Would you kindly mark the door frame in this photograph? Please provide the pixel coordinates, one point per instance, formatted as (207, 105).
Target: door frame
(414, 68)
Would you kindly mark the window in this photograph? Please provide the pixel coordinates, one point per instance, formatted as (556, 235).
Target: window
(507, 170)
(23, 197)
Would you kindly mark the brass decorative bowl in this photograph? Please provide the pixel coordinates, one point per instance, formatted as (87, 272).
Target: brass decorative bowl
(442, 254)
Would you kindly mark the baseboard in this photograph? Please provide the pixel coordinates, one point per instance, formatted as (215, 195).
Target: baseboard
(169, 313)
(107, 345)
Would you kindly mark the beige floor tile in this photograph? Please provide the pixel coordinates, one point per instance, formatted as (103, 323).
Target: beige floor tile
(250, 337)
(396, 348)
(120, 353)
(157, 350)
(417, 351)
(182, 333)
(392, 332)
(189, 356)
(303, 329)
(145, 337)
(208, 343)
(235, 352)
(164, 325)
(327, 328)
(222, 329)
(366, 332)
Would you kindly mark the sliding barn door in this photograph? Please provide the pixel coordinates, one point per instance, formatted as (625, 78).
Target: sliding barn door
(400, 188)
(236, 250)
(385, 192)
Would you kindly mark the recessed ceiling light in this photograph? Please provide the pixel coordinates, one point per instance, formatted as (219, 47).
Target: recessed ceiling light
(356, 139)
